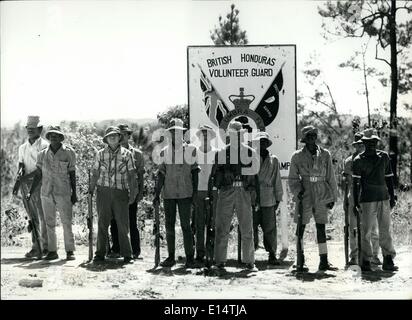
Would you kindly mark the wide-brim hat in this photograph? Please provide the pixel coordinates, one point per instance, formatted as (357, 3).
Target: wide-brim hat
(306, 130)
(111, 131)
(54, 129)
(125, 128)
(176, 124)
(235, 126)
(358, 138)
(33, 122)
(263, 135)
(205, 128)
(369, 135)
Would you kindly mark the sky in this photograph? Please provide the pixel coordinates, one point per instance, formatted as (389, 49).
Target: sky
(96, 60)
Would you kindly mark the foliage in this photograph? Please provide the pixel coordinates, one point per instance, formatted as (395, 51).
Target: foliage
(229, 32)
(179, 111)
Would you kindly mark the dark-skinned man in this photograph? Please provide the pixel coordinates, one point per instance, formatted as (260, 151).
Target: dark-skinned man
(179, 180)
(311, 179)
(235, 175)
(28, 153)
(56, 167)
(114, 175)
(139, 166)
(348, 202)
(374, 197)
(271, 193)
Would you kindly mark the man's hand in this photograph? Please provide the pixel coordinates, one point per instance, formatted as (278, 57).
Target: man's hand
(15, 191)
(330, 205)
(300, 194)
(392, 201)
(73, 198)
(277, 205)
(28, 196)
(156, 200)
(356, 209)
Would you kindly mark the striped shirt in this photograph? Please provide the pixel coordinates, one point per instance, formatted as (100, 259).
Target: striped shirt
(113, 167)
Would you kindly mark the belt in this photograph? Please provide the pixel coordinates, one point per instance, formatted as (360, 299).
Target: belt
(237, 184)
(313, 179)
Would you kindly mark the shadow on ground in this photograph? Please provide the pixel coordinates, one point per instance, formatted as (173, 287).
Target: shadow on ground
(108, 264)
(27, 263)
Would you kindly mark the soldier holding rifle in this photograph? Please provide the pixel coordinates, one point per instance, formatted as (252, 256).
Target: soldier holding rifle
(56, 167)
(374, 195)
(312, 181)
(27, 159)
(348, 207)
(271, 193)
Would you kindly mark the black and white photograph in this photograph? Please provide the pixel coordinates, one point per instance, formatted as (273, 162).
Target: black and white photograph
(223, 152)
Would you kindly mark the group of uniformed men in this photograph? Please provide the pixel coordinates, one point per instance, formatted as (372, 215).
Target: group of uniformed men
(233, 185)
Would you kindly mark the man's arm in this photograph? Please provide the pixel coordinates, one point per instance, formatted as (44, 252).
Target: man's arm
(72, 175)
(277, 185)
(331, 180)
(294, 179)
(160, 180)
(35, 183)
(356, 177)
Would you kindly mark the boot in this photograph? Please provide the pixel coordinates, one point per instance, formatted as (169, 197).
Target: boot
(366, 266)
(375, 260)
(388, 264)
(190, 263)
(169, 262)
(325, 265)
(272, 260)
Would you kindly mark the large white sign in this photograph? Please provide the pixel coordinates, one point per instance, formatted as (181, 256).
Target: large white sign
(255, 85)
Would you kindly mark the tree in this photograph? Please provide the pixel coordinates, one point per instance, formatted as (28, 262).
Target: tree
(228, 32)
(354, 64)
(378, 20)
(179, 111)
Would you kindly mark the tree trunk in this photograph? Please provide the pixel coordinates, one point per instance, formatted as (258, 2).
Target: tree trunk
(393, 133)
(366, 88)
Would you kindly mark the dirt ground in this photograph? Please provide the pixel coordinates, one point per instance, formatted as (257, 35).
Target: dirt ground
(113, 280)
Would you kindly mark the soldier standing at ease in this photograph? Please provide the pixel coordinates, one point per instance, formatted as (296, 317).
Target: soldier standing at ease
(180, 181)
(271, 193)
(311, 178)
(114, 175)
(235, 180)
(139, 165)
(348, 203)
(374, 194)
(56, 167)
(28, 153)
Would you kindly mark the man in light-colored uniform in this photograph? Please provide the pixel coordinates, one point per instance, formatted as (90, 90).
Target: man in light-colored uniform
(312, 179)
(56, 167)
(271, 193)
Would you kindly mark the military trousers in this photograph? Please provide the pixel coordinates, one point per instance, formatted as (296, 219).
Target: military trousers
(234, 199)
(380, 211)
(266, 218)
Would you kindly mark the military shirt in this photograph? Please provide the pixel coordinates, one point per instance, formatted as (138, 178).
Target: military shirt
(55, 168)
(228, 170)
(28, 153)
(372, 171)
(178, 170)
(316, 173)
(270, 184)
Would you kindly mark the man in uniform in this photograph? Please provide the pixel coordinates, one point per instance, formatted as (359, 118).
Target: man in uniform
(311, 179)
(374, 195)
(348, 203)
(139, 165)
(56, 167)
(114, 175)
(235, 184)
(206, 156)
(271, 193)
(180, 181)
(27, 159)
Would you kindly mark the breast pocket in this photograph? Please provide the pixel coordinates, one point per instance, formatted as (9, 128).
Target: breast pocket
(63, 167)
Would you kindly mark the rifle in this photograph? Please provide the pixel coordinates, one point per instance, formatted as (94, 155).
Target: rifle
(358, 233)
(346, 227)
(210, 232)
(156, 231)
(28, 206)
(299, 243)
(90, 219)
(239, 245)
